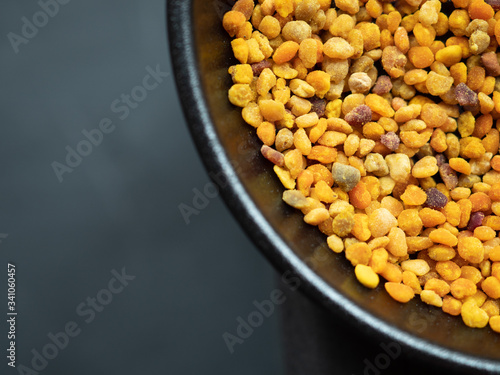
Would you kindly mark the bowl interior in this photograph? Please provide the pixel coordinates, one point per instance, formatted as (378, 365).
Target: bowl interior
(201, 53)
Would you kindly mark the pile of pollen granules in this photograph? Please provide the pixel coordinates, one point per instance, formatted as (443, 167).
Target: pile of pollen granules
(381, 120)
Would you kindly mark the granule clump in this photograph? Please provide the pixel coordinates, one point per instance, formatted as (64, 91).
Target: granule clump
(318, 105)
(435, 199)
(465, 96)
(390, 140)
(383, 85)
(382, 120)
(359, 115)
(476, 220)
(345, 176)
(343, 223)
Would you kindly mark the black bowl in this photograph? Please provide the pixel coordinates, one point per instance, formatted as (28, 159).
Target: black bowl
(201, 55)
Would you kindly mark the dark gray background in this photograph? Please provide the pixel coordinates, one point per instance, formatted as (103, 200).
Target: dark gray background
(119, 208)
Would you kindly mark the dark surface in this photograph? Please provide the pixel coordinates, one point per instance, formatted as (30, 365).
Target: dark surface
(202, 54)
(118, 208)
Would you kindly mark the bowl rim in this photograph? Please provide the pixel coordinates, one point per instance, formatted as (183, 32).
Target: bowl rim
(202, 129)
